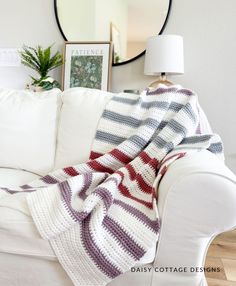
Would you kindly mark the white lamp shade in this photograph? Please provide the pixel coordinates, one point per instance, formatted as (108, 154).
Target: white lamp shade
(164, 54)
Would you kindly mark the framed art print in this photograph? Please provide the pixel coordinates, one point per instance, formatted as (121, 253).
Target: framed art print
(87, 64)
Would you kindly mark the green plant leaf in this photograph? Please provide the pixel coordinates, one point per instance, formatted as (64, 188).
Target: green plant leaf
(28, 59)
(41, 60)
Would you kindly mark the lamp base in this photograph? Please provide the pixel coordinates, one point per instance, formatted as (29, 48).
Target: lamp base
(161, 80)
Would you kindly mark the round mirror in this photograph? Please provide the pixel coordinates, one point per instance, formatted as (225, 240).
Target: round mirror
(127, 23)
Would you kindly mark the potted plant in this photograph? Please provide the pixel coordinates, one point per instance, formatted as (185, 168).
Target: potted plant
(42, 61)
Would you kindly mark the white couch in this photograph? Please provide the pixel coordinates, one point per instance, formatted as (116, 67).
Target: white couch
(45, 131)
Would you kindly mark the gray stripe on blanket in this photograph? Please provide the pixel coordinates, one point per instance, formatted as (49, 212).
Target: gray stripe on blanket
(129, 120)
(116, 140)
(216, 148)
(189, 111)
(177, 127)
(138, 141)
(161, 143)
(196, 139)
(174, 106)
(109, 138)
(170, 89)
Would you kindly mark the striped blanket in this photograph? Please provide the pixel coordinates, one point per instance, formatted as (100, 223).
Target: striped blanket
(101, 217)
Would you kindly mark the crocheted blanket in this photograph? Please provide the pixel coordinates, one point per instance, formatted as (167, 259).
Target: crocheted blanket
(101, 217)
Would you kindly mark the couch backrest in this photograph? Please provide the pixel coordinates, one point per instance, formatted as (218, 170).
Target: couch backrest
(43, 131)
(80, 113)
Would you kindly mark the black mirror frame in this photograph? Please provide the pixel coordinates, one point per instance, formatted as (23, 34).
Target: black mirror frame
(125, 62)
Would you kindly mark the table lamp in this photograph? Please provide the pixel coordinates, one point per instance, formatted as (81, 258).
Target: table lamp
(164, 55)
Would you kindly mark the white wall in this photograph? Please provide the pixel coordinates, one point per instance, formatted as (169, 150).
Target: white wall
(26, 22)
(208, 28)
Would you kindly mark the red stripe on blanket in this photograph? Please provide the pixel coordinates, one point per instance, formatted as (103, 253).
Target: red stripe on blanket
(154, 163)
(178, 155)
(143, 185)
(131, 171)
(145, 157)
(71, 171)
(99, 167)
(94, 155)
(125, 191)
(163, 170)
(122, 157)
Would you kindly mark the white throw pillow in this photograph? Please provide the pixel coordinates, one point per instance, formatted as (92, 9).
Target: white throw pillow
(28, 128)
(80, 113)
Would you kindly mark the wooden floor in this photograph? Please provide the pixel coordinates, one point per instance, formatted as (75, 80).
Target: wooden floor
(222, 254)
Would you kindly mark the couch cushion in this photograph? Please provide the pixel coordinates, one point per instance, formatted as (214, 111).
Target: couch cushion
(80, 113)
(28, 123)
(13, 177)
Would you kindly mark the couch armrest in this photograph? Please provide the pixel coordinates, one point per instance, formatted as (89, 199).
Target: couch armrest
(196, 164)
(197, 198)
